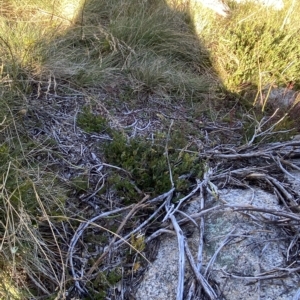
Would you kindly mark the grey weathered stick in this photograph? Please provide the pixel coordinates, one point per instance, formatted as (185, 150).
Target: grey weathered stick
(76, 237)
(278, 161)
(283, 149)
(201, 232)
(289, 215)
(278, 186)
(191, 293)
(181, 259)
(240, 207)
(254, 278)
(200, 245)
(188, 217)
(297, 295)
(288, 163)
(163, 196)
(158, 233)
(124, 221)
(202, 281)
(280, 197)
(119, 242)
(192, 193)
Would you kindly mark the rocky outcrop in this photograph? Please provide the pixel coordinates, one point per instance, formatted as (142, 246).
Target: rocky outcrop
(246, 254)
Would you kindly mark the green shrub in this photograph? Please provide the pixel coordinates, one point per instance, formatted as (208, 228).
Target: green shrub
(90, 122)
(255, 46)
(147, 165)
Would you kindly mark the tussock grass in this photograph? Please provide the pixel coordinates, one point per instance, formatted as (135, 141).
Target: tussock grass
(31, 255)
(104, 41)
(144, 44)
(25, 33)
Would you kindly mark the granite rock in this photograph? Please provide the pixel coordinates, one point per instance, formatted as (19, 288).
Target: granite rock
(254, 249)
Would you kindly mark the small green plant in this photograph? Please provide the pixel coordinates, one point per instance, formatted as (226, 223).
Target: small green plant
(80, 183)
(138, 242)
(90, 122)
(102, 282)
(146, 165)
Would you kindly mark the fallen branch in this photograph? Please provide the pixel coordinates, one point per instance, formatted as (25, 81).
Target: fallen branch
(202, 281)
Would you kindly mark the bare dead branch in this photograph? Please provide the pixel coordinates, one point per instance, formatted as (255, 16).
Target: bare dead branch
(201, 279)
(181, 258)
(158, 233)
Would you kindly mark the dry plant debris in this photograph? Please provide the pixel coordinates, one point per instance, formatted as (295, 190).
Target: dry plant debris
(109, 244)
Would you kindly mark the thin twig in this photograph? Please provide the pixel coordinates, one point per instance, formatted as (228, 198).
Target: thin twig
(202, 281)
(227, 239)
(192, 193)
(131, 212)
(76, 237)
(181, 259)
(140, 227)
(167, 154)
(278, 161)
(158, 233)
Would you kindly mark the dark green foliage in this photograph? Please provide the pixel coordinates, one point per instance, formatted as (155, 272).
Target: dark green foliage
(147, 163)
(4, 155)
(90, 122)
(102, 282)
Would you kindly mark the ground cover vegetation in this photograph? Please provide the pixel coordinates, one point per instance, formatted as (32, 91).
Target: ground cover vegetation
(68, 71)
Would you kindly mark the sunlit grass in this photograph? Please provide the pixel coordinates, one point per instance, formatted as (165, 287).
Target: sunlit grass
(255, 46)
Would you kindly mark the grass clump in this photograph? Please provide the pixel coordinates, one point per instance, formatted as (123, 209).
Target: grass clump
(145, 45)
(26, 31)
(30, 195)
